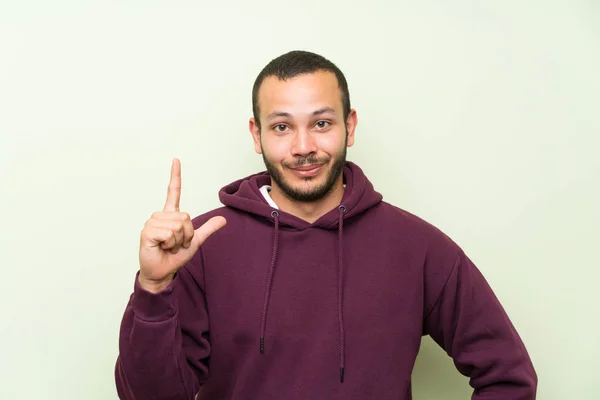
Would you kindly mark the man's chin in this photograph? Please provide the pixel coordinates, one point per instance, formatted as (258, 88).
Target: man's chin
(305, 189)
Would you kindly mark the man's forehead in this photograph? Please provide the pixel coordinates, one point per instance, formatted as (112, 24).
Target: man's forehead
(317, 87)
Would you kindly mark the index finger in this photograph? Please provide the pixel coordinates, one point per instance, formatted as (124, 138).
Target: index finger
(174, 190)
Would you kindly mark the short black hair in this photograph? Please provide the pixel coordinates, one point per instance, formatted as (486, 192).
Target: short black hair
(295, 63)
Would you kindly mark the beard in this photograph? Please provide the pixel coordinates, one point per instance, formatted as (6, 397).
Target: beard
(311, 194)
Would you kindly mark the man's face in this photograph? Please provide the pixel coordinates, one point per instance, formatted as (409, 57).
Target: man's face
(304, 135)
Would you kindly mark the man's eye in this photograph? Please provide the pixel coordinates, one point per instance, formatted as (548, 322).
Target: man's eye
(280, 127)
(322, 124)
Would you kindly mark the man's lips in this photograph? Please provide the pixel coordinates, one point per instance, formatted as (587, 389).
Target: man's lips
(307, 167)
(307, 170)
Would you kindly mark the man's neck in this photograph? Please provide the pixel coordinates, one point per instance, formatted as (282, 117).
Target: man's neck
(309, 211)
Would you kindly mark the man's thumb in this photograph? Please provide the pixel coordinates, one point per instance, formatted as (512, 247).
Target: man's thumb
(209, 227)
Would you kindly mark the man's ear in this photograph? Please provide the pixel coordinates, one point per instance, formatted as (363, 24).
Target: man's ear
(255, 131)
(351, 123)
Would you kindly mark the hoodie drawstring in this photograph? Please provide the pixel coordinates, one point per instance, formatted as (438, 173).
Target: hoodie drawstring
(263, 320)
(342, 210)
(340, 302)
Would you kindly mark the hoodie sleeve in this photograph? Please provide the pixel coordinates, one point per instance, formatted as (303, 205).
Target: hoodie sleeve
(468, 322)
(163, 343)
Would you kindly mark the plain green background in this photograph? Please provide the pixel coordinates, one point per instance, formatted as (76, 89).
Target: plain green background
(481, 117)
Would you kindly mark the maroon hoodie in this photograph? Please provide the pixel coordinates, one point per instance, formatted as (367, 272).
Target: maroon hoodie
(274, 307)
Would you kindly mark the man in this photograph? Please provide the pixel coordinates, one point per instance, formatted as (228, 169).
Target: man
(306, 285)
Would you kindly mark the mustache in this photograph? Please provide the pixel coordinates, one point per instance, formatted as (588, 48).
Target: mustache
(301, 161)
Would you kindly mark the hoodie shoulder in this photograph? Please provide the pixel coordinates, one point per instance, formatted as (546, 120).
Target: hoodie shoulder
(420, 230)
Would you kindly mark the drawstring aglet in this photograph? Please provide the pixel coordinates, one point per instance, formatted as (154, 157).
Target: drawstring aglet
(342, 375)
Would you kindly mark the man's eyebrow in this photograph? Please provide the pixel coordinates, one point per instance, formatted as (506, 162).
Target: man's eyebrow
(323, 111)
(320, 111)
(276, 114)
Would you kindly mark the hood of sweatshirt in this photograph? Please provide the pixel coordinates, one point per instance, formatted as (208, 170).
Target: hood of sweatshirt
(359, 196)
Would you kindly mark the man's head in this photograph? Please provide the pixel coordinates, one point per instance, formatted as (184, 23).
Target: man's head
(302, 123)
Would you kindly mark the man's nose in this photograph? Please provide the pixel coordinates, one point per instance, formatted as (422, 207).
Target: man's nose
(304, 143)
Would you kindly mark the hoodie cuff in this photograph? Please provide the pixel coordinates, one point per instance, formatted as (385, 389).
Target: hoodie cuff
(153, 307)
